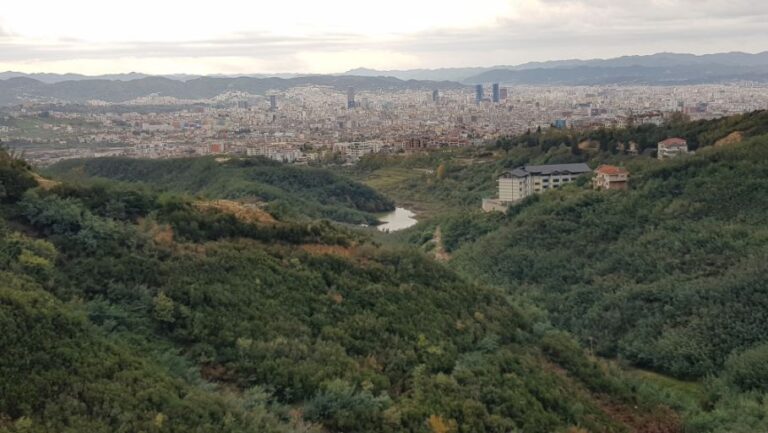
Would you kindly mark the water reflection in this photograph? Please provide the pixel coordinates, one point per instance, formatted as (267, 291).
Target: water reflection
(400, 219)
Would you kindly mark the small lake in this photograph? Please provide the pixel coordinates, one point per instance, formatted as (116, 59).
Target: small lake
(401, 218)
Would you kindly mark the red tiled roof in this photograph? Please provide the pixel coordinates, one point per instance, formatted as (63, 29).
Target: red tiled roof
(611, 170)
(675, 141)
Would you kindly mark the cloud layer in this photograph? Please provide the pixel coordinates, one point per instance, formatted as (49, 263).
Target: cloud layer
(515, 31)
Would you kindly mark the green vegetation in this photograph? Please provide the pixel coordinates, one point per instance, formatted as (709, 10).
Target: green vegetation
(668, 276)
(125, 309)
(290, 192)
(128, 307)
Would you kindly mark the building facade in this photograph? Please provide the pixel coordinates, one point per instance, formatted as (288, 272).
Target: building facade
(522, 182)
(479, 94)
(671, 147)
(609, 177)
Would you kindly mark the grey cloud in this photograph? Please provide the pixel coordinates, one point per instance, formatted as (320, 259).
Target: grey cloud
(605, 28)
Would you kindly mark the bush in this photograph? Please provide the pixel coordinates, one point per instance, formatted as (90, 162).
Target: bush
(748, 370)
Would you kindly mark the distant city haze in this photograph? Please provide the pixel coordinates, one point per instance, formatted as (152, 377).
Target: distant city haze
(303, 36)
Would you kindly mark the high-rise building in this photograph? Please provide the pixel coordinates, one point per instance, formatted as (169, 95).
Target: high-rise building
(479, 93)
(496, 93)
(435, 95)
(504, 93)
(351, 98)
(272, 102)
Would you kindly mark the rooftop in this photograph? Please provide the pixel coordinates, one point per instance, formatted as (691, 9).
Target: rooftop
(675, 141)
(546, 170)
(611, 170)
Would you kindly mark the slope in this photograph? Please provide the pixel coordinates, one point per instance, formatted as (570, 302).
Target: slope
(669, 275)
(288, 191)
(168, 317)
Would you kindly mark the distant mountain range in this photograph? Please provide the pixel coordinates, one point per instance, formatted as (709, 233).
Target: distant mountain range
(655, 69)
(49, 78)
(661, 68)
(22, 88)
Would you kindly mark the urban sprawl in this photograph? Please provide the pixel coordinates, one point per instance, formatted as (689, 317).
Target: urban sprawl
(305, 124)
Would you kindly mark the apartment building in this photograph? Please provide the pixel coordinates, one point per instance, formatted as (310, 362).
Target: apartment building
(527, 180)
(524, 181)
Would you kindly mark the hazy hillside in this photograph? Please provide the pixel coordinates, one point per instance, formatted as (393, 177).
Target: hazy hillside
(660, 68)
(125, 310)
(625, 75)
(19, 89)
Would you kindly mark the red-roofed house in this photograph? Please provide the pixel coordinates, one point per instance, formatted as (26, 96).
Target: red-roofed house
(610, 177)
(671, 147)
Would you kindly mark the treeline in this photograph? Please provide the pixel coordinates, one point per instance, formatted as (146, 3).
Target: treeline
(290, 192)
(698, 134)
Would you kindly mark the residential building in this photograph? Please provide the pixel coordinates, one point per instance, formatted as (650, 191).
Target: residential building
(524, 181)
(671, 147)
(610, 177)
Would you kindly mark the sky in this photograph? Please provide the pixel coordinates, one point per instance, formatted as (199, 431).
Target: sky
(328, 36)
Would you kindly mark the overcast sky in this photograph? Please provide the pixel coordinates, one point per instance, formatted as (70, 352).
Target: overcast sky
(321, 36)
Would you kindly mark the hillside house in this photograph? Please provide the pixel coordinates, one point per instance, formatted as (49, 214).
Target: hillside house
(671, 147)
(609, 177)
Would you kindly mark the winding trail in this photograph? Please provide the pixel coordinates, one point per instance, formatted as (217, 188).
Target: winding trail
(440, 254)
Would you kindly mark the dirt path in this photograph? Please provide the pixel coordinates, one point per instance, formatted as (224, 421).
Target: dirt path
(440, 254)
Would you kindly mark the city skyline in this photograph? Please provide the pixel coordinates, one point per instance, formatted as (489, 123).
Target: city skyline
(331, 37)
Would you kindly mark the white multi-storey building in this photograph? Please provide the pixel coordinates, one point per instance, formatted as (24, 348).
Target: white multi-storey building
(521, 182)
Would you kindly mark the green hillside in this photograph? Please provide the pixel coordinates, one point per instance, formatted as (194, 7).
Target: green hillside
(666, 279)
(639, 271)
(124, 309)
(289, 191)
(669, 276)
(469, 175)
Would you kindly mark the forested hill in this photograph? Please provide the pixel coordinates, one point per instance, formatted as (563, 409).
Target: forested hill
(287, 191)
(670, 275)
(126, 310)
(667, 277)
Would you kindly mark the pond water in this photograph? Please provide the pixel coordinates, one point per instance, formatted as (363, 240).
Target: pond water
(401, 218)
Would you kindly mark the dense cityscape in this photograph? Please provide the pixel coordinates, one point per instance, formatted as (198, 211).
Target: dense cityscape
(307, 123)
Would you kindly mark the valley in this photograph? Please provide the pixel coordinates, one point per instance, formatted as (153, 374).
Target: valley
(244, 295)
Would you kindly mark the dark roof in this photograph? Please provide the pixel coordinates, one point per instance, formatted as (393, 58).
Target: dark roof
(545, 170)
(517, 172)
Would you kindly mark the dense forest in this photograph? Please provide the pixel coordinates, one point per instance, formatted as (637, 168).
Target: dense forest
(668, 276)
(286, 191)
(128, 309)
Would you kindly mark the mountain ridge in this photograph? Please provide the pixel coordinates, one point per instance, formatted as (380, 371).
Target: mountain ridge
(733, 58)
(19, 89)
